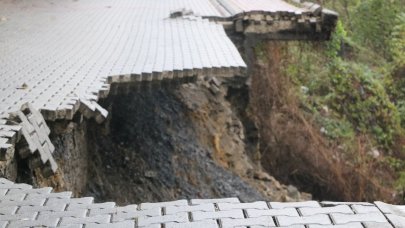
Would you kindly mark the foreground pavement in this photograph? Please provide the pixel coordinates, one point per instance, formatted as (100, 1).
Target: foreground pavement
(23, 206)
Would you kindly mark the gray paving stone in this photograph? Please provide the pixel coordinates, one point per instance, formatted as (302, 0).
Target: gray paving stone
(202, 224)
(344, 209)
(389, 209)
(377, 225)
(3, 224)
(18, 217)
(201, 207)
(51, 208)
(347, 225)
(153, 212)
(72, 226)
(360, 209)
(260, 221)
(100, 219)
(396, 220)
(33, 202)
(369, 217)
(223, 200)
(278, 205)
(8, 210)
(31, 192)
(329, 203)
(48, 222)
(62, 214)
(233, 214)
(178, 218)
(111, 209)
(313, 219)
(256, 205)
(124, 224)
(254, 213)
(94, 207)
(163, 204)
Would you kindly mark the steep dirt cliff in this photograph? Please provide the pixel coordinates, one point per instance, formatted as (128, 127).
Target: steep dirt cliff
(179, 141)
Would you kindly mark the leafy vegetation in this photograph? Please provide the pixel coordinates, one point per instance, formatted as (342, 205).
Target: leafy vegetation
(353, 86)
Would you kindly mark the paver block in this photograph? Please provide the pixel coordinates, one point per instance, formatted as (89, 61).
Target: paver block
(347, 225)
(360, 209)
(223, 200)
(201, 215)
(163, 204)
(313, 219)
(124, 224)
(178, 218)
(377, 225)
(254, 213)
(256, 205)
(201, 224)
(193, 208)
(344, 209)
(329, 203)
(396, 220)
(100, 219)
(370, 217)
(277, 205)
(260, 221)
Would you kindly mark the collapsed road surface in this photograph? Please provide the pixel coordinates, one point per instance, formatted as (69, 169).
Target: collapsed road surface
(59, 58)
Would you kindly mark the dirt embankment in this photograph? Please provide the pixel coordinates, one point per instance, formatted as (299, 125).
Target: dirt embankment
(291, 145)
(177, 142)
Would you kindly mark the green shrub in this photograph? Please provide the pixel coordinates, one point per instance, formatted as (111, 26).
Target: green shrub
(397, 42)
(373, 23)
(360, 98)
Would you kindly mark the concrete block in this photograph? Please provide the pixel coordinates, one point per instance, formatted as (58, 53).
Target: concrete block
(178, 218)
(163, 204)
(206, 201)
(371, 217)
(260, 221)
(278, 205)
(201, 224)
(256, 205)
(201, 207)
(306, 220)
(344, 209)
(233, 214)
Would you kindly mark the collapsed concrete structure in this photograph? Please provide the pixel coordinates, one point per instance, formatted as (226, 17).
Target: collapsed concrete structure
(58, 59)
(61, 58)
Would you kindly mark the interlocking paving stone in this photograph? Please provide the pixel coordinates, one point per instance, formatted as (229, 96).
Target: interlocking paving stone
(254, 213)
(178, 218)
(202, 215)
(163, 204)
(312, 219)
(124, 224)
(377, 225)
(369, 217)
(153, 212)
(329, 203)
(396, 220)
(347, 225)
(360, 209)
(255, 205)
(201, 207)
(23, 206)
(223, 200)
(202, 224)
(279, 205)
(261, 221)
(344, 209)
